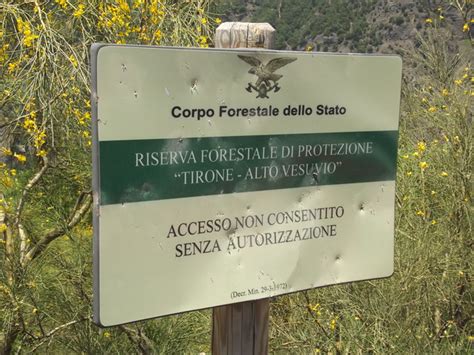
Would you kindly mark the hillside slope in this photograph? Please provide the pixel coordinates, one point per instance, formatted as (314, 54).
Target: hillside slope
(362, 26)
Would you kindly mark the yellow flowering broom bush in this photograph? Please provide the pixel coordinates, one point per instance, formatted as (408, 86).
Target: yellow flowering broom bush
(45, 160)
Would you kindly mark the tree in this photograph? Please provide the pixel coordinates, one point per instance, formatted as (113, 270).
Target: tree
(45, 193)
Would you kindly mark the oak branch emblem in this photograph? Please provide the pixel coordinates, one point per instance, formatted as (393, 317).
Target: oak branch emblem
(267, 79)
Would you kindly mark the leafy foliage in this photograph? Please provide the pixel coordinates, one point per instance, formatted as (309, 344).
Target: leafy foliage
(427, 305)
(45, 159)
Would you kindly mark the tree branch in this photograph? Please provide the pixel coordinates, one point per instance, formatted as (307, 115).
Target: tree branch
(32, 182)
(144, 343)
(55, 330)
(76, 216)
(7, 239)
(311, 312)
(23, 241)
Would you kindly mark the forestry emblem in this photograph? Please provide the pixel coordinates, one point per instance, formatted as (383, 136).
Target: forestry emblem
(267, 79)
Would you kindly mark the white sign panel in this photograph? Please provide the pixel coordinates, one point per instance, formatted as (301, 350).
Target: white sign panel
(225, 176)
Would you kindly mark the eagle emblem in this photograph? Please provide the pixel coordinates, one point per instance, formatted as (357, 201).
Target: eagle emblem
(267, 79)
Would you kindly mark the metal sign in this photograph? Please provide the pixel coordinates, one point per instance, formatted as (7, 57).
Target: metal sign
(225, 176)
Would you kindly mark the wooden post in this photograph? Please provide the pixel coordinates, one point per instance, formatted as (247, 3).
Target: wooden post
(245, 35)
(242, 328)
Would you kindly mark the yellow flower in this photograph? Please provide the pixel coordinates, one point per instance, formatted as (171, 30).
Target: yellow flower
(458, 82)
(203, 21)
(138, 3)
(29, 124)
(73, 61)
(465, 28)
(416, 154)
(444, 173)
(123, 5)
(420, 213)
(157, 35)
(25, 29)
(20, 157)
(406, 156)
(445, 92)
(332, 324)
(428, 20)
(433, 222)
(12, 67)
(433, 192)
(79, 11)
(41, 153)
(424, 100)
(3, 227)
(29, 39)
(409, 173)
(423, 165)
(6, 151)
(441, 17)
(13, 172)
(62, 3)
(202, 39)
(218, 20)
(421, 146)
(432, 109)
(6, 181)
(106, 334)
